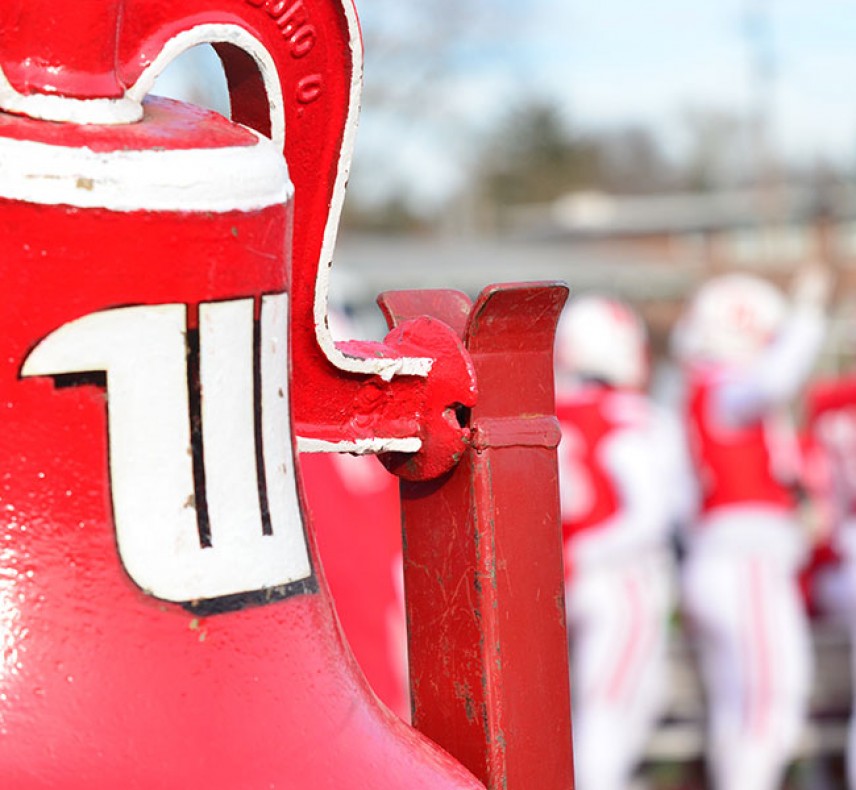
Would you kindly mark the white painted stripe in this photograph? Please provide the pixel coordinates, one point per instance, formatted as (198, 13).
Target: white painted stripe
(53, 107)
(221, 34)
(411, 444)
(242, 178)
(286, 520)
(228, 421)
(385, 368)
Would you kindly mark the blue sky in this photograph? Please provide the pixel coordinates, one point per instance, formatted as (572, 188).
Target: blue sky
(614, 62)
(606, 63)
(645, 61)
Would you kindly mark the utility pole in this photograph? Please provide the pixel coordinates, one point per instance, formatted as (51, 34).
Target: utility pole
(758, 35)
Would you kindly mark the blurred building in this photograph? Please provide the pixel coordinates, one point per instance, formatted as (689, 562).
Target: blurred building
(772, 229)
(650, 249)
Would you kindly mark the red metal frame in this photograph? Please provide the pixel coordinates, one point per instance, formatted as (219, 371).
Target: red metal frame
(483, 571)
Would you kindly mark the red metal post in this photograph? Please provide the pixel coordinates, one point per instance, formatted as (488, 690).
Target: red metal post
(483, 569)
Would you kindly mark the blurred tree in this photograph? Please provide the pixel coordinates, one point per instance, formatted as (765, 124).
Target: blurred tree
(717, 149)
(632, 162)
(391, 216)
(420, 121)
(534, 157)
(409, 47)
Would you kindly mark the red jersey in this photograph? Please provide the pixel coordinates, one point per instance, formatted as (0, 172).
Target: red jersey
(831, 418)
(591, 418)
(622, 472)
(735, 462)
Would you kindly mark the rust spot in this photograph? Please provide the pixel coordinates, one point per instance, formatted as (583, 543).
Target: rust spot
(462, 692)
(85, 183)
(197, 625)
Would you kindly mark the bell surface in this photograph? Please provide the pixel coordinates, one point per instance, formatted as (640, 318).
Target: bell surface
(163, 619)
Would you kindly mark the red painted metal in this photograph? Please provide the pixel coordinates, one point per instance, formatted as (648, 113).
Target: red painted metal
(103, 685)
(483, 572)
(312, 44)
(44, 52)
(105, 681)
(355, 510)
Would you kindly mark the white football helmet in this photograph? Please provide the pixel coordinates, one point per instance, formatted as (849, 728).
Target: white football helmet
(730, 320)
(602, 338)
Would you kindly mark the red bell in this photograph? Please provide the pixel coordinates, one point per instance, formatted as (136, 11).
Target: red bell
(162, 618)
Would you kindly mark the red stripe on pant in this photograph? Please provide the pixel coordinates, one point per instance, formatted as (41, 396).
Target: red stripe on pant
(618, 680)
(759, 674)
